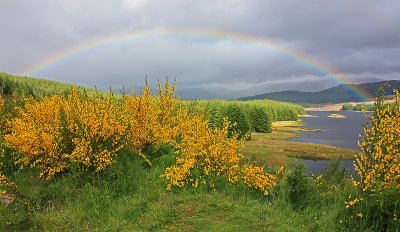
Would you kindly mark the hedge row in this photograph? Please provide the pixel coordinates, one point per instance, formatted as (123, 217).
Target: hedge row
(256, 115)
(18, 86)
(358, 107)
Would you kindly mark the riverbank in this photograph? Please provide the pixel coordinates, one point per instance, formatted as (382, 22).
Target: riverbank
(276, 149)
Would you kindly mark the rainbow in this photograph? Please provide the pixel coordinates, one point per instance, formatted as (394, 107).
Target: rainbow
(298, 56)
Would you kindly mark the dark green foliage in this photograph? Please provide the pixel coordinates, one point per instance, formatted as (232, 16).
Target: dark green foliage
(260, 121)
(380, 212)
(10, 87)
(334, 176)
(7, 157)
(32, 87)
(274, 110)
(301, 190)
(235, 115)
(216, 116)
(358, 107)
(17, 216)
(153, 152)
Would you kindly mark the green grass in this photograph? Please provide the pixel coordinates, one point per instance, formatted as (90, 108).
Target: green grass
(27, 86)
(132, 197)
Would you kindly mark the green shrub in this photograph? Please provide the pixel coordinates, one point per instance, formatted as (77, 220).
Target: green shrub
(260, 121)
(358, 107)
(235, 115)
(376, 212)
(301, 190)
(275, 110)
(215, 116)
(333, 178)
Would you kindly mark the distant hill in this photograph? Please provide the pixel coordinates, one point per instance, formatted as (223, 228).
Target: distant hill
(308, 85)
(337, 94)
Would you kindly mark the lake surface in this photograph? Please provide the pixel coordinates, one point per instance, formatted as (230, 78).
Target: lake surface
(318, 166)
(339, 132)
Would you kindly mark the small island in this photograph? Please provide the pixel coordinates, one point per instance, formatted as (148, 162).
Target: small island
(336, 116)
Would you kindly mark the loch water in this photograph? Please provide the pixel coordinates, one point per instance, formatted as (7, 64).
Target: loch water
(339, 132)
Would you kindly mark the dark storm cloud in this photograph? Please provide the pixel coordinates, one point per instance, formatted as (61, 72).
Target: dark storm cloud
(356, 38)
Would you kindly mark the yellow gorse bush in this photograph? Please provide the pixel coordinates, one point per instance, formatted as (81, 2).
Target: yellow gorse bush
(378, 167)
(58, 133)
(35, 134)
(96, 129)
(210, 151)
(379, 164)
(257, 177)
(55, 132)
(151, 120)
(206, 149)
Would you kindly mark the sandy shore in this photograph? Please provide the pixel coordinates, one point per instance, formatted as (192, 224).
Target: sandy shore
(334, 107)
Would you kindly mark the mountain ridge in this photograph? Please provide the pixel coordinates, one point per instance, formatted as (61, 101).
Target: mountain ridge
(336, 94)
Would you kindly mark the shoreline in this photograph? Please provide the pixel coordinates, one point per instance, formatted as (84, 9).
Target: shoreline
(277, 148)
(334, 107)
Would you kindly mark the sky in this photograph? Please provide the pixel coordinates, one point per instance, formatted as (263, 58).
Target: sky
(212, 48)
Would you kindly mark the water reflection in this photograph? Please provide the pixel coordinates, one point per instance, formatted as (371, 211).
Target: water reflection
(339, 132)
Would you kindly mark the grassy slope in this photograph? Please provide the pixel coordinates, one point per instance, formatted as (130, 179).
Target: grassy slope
(138, 201)
(42, 87)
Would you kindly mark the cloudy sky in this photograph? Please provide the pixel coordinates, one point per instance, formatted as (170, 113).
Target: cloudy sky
(213, 48)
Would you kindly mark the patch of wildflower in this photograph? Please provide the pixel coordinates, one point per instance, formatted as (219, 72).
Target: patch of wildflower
(352, 202)
(151, 120)
(378, 167)
(96, 129)
(57, 134)
(257, 177)
(35, 134)
(210, 152)
(379, 164)
(318, 180)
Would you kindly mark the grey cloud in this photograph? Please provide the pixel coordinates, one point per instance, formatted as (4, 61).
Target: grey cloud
(355, 38)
